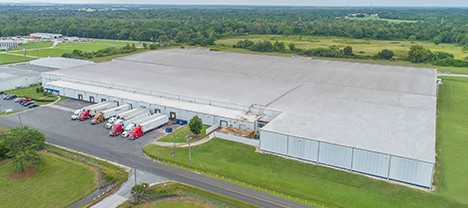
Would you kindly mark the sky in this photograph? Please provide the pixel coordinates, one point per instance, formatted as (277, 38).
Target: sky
(393, 3)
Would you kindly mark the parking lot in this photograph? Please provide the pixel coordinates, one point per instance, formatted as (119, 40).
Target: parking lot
(55, 122)
(10, 104)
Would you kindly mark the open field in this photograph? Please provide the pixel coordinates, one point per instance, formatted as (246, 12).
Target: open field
(58, 183)
(173, 194)
(46, 49)
(10, 59)
(180, 134)
(360, 46)
(452, 143)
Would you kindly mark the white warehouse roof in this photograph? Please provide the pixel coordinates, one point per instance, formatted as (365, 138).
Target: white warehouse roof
(385, 109)
(59, 62)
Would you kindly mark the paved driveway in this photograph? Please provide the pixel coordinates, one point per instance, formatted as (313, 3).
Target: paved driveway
(59, 129)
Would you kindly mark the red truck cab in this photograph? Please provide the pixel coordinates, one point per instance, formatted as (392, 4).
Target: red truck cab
(116, 130)
(84, 115)
(136, 132)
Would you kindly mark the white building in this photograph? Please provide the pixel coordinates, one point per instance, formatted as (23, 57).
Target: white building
(46, 35)
(371, 119)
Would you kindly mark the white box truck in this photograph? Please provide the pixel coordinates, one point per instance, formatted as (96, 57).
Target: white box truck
(119, 118)
(104, 115)
(139, 130)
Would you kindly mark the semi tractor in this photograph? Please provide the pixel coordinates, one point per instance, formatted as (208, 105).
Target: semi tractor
(139, 130)
(128, 127)
(118, 128)
(77, 113)
(119, 118)
(89, 111)
(104, 115)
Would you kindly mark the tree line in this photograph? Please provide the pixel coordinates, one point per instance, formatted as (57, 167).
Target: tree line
(203, 25)
(416, 54)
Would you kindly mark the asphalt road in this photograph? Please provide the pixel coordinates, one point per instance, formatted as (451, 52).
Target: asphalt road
(94, 140)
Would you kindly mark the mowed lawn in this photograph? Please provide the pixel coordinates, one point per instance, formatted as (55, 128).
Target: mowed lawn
(303, 182)
(45, 49)
(58, 183)
(9, 59)
(360, 46)
(452, 143)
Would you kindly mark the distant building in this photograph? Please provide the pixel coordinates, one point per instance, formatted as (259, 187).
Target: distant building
(9, 44)
(46, 35)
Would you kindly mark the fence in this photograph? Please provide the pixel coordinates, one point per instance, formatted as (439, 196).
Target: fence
(253, 142)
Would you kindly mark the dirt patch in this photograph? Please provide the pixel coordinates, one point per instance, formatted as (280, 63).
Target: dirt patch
(190, 137)
(237, 132)
(25, 174)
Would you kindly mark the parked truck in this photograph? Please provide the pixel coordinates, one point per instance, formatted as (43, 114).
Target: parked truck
(128, 127)
(119, 118)
(104, 115)
(89, 111)
(118, 128)
(139, 130)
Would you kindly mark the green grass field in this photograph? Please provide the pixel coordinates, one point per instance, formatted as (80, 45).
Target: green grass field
(300, 181)
(30, 92)
(11, 59)
(58, 183)
(452, 143)
(360, 46)
(180, 134)
(173, 194)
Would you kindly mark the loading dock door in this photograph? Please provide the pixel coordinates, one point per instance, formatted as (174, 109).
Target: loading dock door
(173, 115)
(223, 123)
(91, 99)
(80, 97)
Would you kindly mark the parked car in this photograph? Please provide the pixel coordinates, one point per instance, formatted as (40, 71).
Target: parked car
(33, 105)
(25, 100)
(18, 99)
(9, 97)
(28, 103)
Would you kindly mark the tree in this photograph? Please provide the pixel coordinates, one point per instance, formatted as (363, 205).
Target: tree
(138, 191)
(22, 144)
(385, 54)
(419, 54)
(195, 125)
(348, 51)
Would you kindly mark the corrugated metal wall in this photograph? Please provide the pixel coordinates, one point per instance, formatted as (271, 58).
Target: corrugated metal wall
(303, 148)
(411, 171)
(277, 143)
(371, 163)
(335, 155)
(363, 161)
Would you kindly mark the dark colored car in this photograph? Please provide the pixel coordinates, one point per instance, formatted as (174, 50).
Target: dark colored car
(9, 97)
(28, 103)
(33, 105)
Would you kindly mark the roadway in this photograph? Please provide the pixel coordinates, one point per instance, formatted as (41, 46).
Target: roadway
(94, 140)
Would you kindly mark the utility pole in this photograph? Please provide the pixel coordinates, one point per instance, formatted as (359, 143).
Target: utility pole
(135, 174)
(190, 154)
(19, 117)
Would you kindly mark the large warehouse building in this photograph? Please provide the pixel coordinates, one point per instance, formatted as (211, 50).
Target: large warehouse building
(371, 119)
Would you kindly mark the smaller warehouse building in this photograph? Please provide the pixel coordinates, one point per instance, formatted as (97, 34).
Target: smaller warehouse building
(28, 74)
(370, 119)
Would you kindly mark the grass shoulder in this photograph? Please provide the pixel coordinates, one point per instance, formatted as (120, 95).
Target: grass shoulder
(178, 136)
(173, 194)
(58, 183)
(303, 182)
